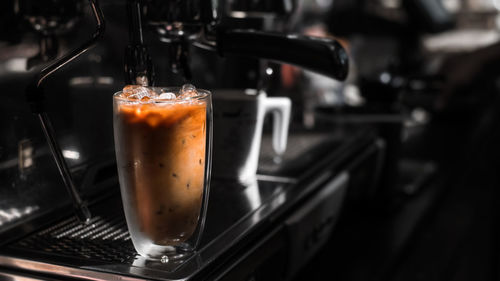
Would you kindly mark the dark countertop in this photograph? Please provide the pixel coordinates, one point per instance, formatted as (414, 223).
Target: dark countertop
(236, 215)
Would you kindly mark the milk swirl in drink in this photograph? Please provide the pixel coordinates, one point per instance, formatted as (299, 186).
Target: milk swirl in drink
(160, 143)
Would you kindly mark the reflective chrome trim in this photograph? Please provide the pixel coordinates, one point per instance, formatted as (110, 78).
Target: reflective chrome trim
(84, 274)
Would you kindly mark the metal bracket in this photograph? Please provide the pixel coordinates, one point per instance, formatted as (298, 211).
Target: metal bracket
(35, 96)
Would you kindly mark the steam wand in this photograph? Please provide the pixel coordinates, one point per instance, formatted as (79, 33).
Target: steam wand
(35, 96)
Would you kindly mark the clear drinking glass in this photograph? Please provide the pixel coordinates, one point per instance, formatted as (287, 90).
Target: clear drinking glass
(163, 151)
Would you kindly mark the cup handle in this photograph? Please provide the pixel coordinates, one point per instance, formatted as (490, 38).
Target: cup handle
(281, 109)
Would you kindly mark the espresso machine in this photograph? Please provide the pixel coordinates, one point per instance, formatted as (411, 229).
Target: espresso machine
(266, 231)
(203, 25)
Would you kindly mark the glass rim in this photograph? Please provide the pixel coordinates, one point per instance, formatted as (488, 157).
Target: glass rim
(202, 95)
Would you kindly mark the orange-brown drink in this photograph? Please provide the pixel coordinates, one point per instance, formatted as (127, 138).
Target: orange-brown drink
(161, 137)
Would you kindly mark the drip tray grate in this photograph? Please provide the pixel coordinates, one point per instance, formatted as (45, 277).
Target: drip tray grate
(104, 239)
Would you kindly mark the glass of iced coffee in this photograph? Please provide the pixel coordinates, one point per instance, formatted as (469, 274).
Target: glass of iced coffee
(163, 152)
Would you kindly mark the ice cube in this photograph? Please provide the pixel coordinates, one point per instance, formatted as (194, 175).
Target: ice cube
(137, 92)
(167, 96)
(187, 88)
(187, 91)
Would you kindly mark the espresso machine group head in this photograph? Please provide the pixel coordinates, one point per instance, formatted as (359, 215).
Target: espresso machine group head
(199, 22)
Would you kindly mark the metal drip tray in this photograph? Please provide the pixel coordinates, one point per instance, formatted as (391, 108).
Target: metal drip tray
(237, 214)
(104, 239)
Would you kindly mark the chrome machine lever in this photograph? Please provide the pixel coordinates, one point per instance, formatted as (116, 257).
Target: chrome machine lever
(35, 96)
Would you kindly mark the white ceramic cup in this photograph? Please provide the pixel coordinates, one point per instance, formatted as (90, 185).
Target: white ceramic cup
(238, 123)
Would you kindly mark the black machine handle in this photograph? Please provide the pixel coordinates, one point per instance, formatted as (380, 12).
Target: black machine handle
(324, 56)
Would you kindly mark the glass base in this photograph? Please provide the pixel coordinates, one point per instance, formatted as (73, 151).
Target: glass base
(166, 254)
(170, 261)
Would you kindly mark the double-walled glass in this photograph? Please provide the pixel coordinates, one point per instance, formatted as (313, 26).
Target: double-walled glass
(163, 152)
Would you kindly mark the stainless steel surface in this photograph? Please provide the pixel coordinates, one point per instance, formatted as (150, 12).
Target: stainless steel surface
(66, 271)
(235, 213)
(310, 227)
(5, 276)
